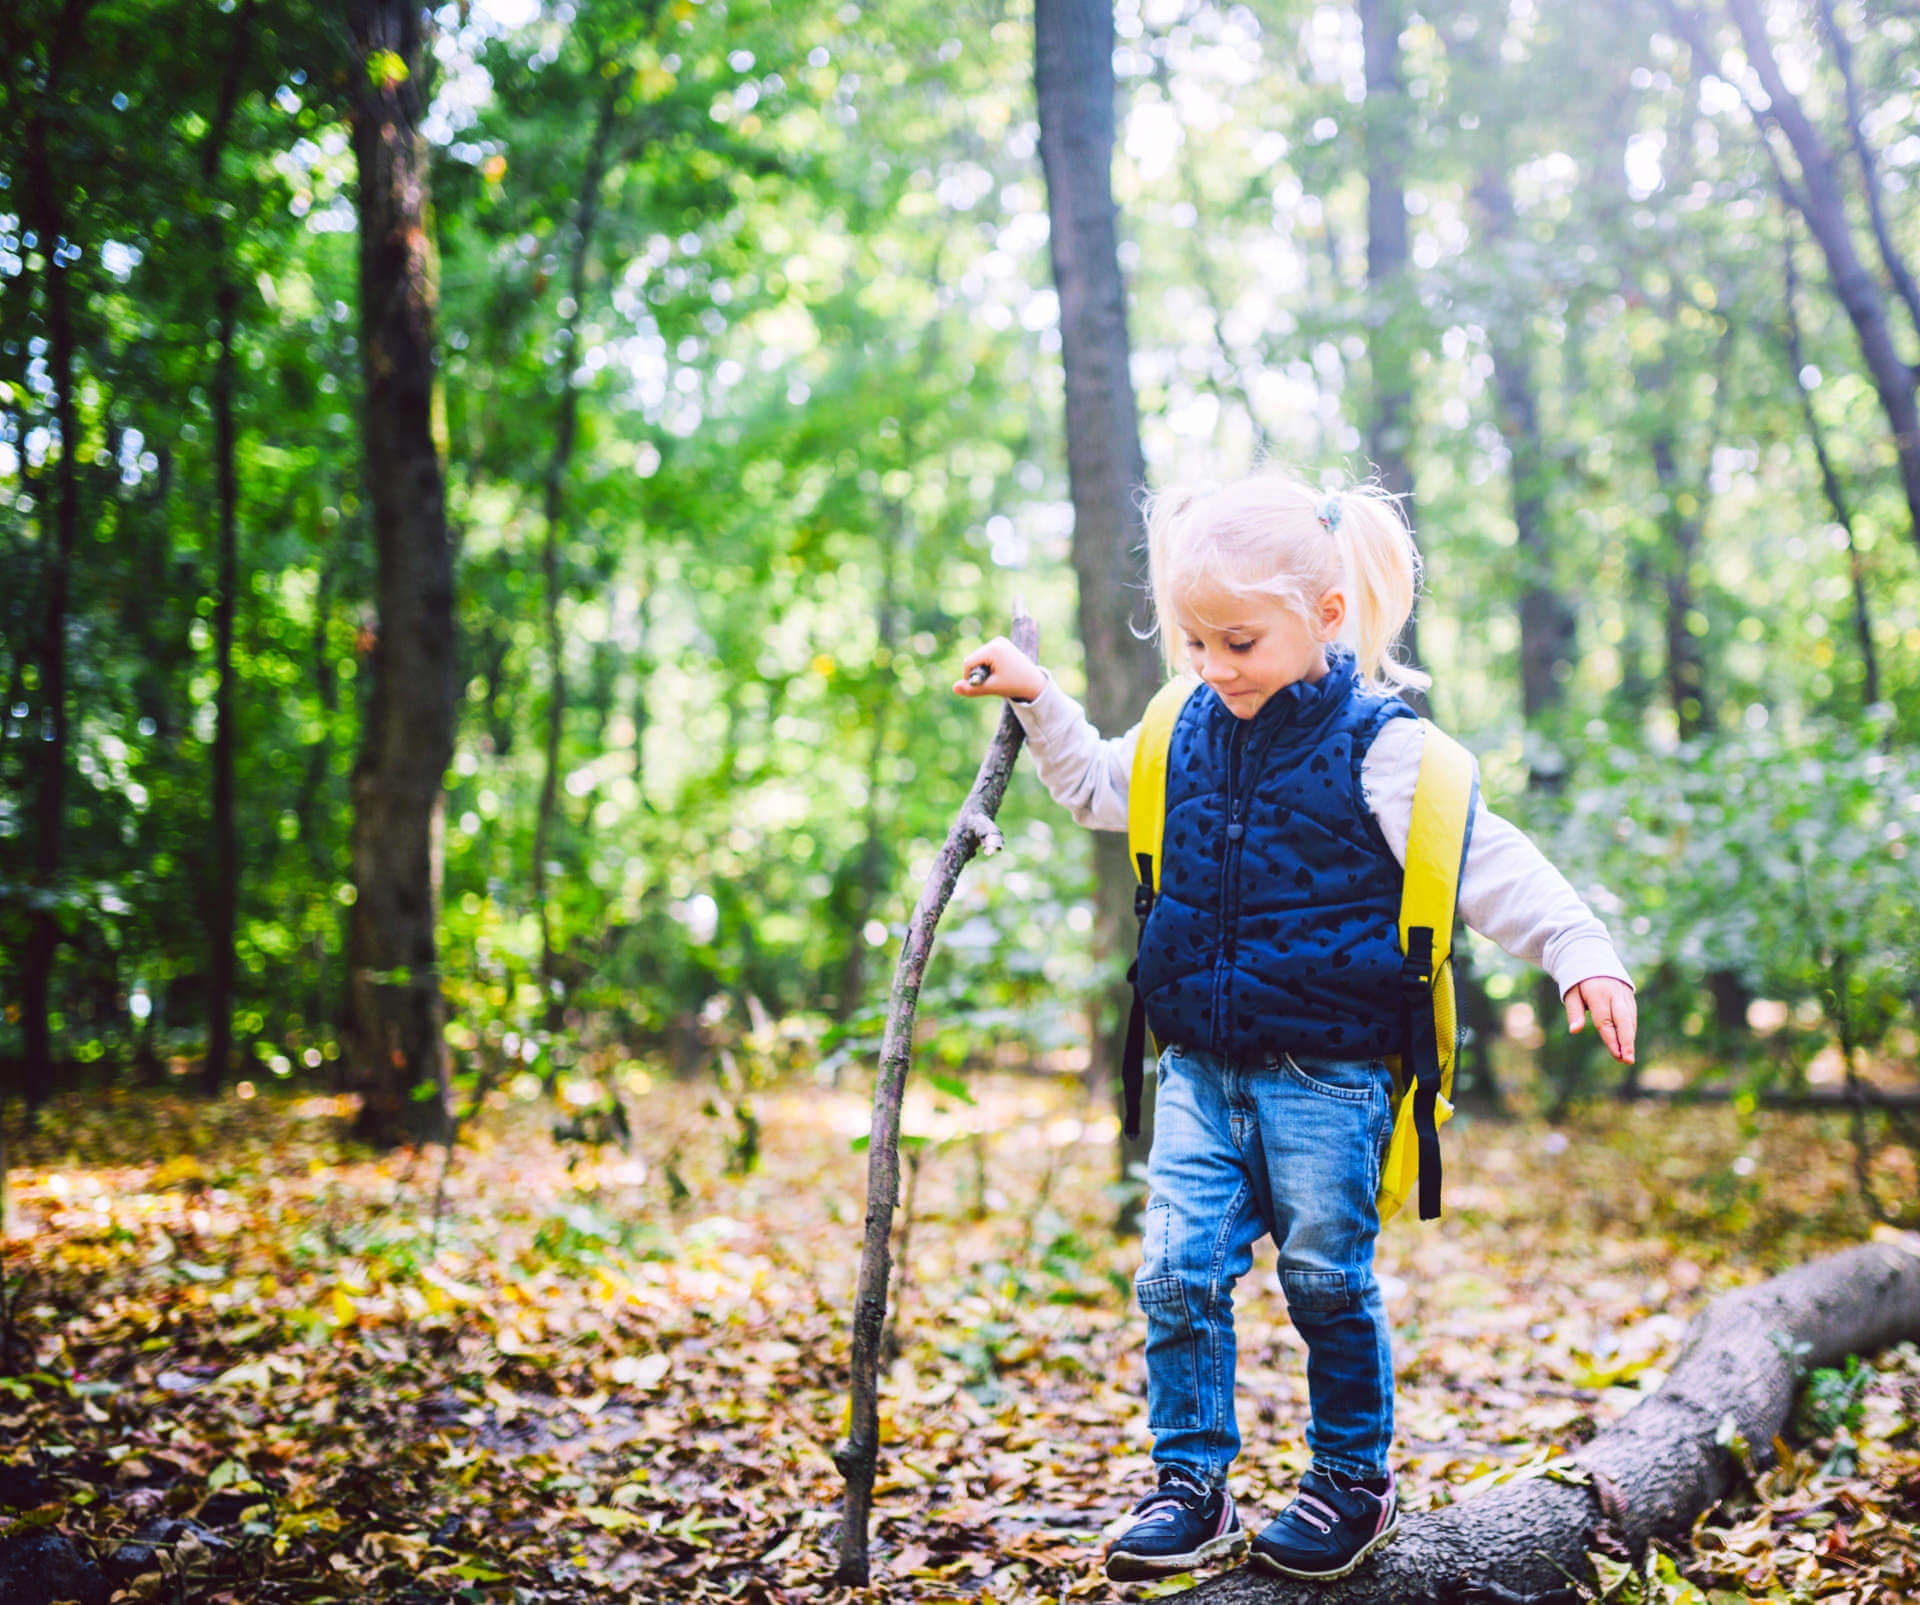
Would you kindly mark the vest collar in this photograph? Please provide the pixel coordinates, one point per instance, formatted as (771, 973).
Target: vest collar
(1305, 702)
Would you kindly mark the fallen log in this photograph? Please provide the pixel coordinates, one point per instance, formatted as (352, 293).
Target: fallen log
(1651, 1474)
(1835, 1099)
(973, 829)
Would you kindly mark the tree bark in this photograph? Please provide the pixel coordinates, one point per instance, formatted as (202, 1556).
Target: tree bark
(972, 829)
(1820, 198)
(566, 425)
(1686, 664)
(59, 532)
(224, 910)
(1229, 383)
(1890, 257)
(872, 852)
(396, 1044)
(1857, 1096)
(1830, 480)
(1075, 90)
(1389, 297)
(1651, 1474)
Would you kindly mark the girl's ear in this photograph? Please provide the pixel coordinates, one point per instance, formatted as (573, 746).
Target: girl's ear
(1330, 615)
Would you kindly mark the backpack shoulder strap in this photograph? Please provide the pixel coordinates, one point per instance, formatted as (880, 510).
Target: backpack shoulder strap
(1443, 805)
(1147, 786)
(1146, 826)
(1443, 799)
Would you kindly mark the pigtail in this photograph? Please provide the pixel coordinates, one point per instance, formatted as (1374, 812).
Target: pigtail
(1168, 513)
(1384, 567)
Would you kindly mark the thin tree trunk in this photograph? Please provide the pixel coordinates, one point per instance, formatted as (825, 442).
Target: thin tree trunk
(59, 532)
(1389, 297)
(1821, 200)
(1890, 257)
(586, 215)
(1830, 481)
(1547, 623)
(224, 909)
(1200, 265)
(867, 874)
(396, 1043)
(1075, 90)
(973, 829)
(1686, 665)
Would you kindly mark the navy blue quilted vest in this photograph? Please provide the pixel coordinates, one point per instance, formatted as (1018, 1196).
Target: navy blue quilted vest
(1276, 929)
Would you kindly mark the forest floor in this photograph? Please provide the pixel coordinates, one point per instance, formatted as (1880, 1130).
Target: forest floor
(249, 1369)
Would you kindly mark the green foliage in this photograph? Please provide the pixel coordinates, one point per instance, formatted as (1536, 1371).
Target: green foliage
(1785, 858)
(1832, 1400)
(749, 310)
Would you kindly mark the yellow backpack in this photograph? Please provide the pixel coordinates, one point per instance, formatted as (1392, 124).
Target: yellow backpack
(1443, 801)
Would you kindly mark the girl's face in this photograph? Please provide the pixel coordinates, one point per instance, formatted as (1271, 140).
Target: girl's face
(1263, 646)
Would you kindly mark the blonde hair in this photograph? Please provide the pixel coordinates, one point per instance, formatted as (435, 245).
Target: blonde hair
(1272, 535)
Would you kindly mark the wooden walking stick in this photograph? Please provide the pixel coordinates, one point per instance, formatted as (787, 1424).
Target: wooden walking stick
(973, 830)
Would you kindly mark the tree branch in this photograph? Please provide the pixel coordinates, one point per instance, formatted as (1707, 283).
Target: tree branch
(972, 828)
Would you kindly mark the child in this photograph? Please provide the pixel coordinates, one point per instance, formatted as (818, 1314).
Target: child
(1270, 968)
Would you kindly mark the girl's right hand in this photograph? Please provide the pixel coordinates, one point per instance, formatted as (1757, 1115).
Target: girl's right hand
(1010, 673)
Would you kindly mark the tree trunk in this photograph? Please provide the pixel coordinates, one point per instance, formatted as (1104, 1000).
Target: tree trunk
(396, 1044)
(1390, 308)
(224, 905)
(1821, 199)
(1830, 480)
(1074, 86)
(1651, 1474)
(1681, 518)
(871, 856)
(1229, 383)
(586, 214)
(973, 829)
(59, 532)
(1890, 257)
(1547, 623)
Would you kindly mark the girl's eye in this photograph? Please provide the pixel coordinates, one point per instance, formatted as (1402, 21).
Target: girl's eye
(1239, 646)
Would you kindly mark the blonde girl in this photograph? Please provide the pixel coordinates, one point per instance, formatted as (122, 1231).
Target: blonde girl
(1270, 969)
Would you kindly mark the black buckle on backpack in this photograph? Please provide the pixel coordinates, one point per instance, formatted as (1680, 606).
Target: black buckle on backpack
(1416, 969)
(1143, 889)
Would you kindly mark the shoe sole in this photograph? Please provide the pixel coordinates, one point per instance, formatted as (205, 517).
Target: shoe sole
(1129, 1568)
(1267, 1563)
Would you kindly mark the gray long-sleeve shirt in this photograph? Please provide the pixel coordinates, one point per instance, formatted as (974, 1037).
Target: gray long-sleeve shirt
(1508, 891)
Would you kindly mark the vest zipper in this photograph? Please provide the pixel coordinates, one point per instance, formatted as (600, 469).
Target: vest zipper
(1229, 909)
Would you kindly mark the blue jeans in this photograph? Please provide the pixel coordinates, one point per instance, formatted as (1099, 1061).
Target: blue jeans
(1292, 1147)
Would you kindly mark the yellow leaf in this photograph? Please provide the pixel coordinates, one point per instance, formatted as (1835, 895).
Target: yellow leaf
(611, 1520)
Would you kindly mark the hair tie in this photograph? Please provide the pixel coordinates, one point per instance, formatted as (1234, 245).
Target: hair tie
(1328, 512)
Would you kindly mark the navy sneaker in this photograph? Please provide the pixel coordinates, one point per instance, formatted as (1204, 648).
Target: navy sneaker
(1180, 1525)
(1332, 1525)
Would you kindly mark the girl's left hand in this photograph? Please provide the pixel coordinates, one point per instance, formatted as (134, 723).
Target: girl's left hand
(1615, 1014)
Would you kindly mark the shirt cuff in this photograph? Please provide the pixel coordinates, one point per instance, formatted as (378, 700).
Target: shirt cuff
(1045, 712)
(1584, 959)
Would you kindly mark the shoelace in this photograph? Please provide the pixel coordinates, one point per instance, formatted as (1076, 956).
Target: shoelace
(1307, 1515)
(1175, 1495)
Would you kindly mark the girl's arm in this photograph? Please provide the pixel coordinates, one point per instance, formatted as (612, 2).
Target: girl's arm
(1083, 772)
(1509, 892)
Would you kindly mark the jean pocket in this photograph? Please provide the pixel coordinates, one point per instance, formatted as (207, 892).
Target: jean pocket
(1315, 1292)
(1349, 1080)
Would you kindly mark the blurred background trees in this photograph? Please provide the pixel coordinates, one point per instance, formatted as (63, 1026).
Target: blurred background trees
(491, 503)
